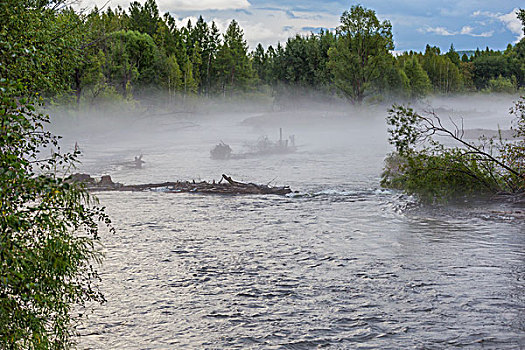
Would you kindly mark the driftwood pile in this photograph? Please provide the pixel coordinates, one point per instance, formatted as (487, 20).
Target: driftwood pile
(263, 147)
(221, 151)
(228, 187)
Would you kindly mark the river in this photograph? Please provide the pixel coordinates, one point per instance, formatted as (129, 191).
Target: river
(340, 264)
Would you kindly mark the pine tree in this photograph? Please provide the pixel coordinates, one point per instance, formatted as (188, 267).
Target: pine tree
(234, 67)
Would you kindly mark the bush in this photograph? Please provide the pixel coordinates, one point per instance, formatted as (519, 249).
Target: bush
(438, 176)
(435, 173)
(49, 232)
(502, 85)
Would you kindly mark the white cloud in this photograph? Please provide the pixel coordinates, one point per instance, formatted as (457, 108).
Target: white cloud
(183, 21)
(259, 33)
(397, 52)
(483, 14)
(466, 30)
(260, 25)
(510, 20)
(254, 32)
(269, 27)
(439, 31)
(484, 34)
(512, 23)
(196, 5)
(176, 5)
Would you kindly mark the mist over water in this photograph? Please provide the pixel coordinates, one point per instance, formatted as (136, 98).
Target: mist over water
(341, 263)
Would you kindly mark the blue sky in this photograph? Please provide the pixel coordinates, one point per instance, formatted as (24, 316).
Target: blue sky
(466, 24)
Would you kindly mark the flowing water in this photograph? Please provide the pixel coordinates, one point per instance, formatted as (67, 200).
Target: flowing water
(339, 264)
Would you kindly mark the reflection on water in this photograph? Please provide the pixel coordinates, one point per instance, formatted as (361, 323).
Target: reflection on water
(340, 264)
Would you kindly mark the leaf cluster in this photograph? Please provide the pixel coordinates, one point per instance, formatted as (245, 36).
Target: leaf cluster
(48, 231)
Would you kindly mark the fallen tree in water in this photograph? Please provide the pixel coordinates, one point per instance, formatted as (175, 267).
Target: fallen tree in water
(225, 186)
(423, 166)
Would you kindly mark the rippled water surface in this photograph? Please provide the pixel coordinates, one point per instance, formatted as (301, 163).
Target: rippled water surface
(341, 264)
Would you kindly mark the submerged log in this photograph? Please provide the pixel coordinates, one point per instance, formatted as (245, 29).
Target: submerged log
(203, 187)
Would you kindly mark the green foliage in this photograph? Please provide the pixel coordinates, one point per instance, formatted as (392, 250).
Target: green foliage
(144, 18)
(38, 45)
(502, 85)
(133, 59)
(297, 55)
(360, 53)
(515, 56)
(131, 51)
(453, 56)
(49, 226)
(489, 66)
(260, 62)
(210, 47)
(418, 82)
(174, 82)
(513, 153)
(49, 232)
(438, 175)
(424, 167)
(235, 72)
(467, 75)
(405, 129)
(189, 84)
(305, 61)
(442, 72)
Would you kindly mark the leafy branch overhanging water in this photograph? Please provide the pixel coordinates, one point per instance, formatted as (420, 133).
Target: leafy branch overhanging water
(423, 166)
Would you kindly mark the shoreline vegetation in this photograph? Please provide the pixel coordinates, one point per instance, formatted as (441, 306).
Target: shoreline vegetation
(423, 166)
(54, 58)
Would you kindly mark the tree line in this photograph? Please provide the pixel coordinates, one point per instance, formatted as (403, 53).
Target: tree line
(113, 53)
